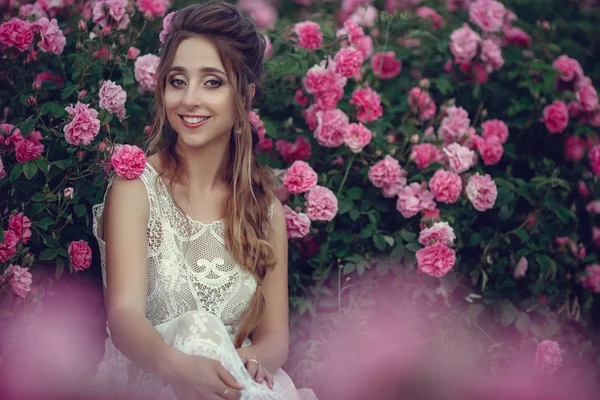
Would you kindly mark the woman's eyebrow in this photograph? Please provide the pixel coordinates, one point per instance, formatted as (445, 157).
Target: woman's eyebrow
(203, 69)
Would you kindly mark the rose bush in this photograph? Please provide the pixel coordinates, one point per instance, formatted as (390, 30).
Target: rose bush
(456, 141)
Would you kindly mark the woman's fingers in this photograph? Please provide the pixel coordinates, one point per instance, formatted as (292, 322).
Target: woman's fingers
(252, 365)
(269, 379)
(227, 378)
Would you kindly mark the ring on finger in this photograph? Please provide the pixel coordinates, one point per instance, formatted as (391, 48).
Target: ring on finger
(252, 359)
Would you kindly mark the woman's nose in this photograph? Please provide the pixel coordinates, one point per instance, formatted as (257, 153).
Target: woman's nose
(193, 97)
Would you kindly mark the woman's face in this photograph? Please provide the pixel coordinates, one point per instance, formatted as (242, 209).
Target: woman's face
(199, 98)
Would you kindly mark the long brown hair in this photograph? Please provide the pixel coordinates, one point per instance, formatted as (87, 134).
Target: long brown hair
(241, 48)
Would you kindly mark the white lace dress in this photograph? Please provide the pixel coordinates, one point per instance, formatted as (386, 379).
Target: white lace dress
(195, 299)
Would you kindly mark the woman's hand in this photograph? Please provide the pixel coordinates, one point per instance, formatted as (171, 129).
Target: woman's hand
(256, 370)
(197, 377)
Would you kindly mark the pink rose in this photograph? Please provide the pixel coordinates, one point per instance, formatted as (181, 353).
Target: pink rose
(111, 13)
(145, 71)
(20, 279)
(364, 15)
(153, 8)
(435, 260)
(21, 226)
(166, 27)
(80, 254)
(491, 151)
(69, 193)
(16, 33)
(365, 45)
(588, 98)
(574, 148)
(263, 13)
(591, 280)
(310, 116)
(594, 156)
(494, 130)
(520, 268)
(548, 357)
(491, 55)
(29, 148)
(454, 125)
(357, 137)
(428, 13)
(420, 101)
(570, 69)
(132, 53)
(487, 14)
(463, 44)
(460, 158)
(425, 154)
(593, 207)
(290, 152)
(298, 224)
(385, 65)
(300, 98)
(445, 186)
(112, 97)
(8, 249)
(325, 84)
(515, 36)
(413, 199)
(348, 61)
(299, 178)
(455, 5)
(309, 34)
(368, 103)
(349, 6)
(352, 31)
(332, 126)
(52, 38)
(322, 205)
(84, 124)
(556, 116)
(128, 161)
(47, 77)
(482, 192)
(388, 176)
(439, 232)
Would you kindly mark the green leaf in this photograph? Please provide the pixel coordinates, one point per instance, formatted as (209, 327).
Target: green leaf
(398, 251)
(354, 214)
(60, 268)
(29, 169)
(355, 193)
(63, 252)
(42, 164)
(379, 241)
(508, 313)
(348, 268)
(15, 172)
(27, 126)
(367, 231)
(67, 91)
(48, 255)
(408, 236)
(56, 109)
(547, 264)
(344, 205)
(413, 246)
(524, 236)
(474, 310)
(44, 223)
(79, 209)
(523, 323)
(563, 214)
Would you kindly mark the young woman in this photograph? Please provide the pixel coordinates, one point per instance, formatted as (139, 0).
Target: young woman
(194, 251)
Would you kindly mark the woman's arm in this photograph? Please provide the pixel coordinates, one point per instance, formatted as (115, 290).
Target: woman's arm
(270, 340)
(125, 219)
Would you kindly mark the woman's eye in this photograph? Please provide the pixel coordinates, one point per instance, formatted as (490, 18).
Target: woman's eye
(213, 83)
(176, 82)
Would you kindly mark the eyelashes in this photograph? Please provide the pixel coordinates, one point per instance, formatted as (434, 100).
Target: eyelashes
(211, 84)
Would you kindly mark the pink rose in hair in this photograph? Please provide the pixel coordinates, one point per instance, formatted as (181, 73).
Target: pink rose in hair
(445, 186)
(299, 178)
(591, 280)
(385, 65)
(348, 61)
(556, 116)
(491, 55)
(594, 156)
(463, 44)
(425, 154)
(368, 103)
(439, 232)
(322, 205)
(357, 137)
(298, 224)
(460, 158)
(332, 126)
(420, 101)
(112, 97)
(145, 71)
(21, 226)
(428, 13)
(166, 27)
(16, 33)
(128, 161)
(588, 98)
(153, 8)
(111, 13)
(52, 38)
(570, 69)
(290, 152)
(548, 357)
(490, 150)
(20, 279)
(309, 35)
(494, 130)
(574, 148)
(388, 176)
(413, 199)
(454, 125)
(435, 260)
(29, 148)
(80, 254)
(487, 14)
(8, 249)
(520, 268)
(482, 192)
(84, 124)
